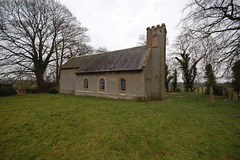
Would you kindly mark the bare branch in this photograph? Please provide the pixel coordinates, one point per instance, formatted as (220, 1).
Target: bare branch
(32, 34)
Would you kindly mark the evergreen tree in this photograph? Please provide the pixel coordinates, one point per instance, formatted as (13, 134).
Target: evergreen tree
(174, 83)
(168, 78)
(211, 80)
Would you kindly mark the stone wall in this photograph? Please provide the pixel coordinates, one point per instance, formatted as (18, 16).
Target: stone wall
(155, 68)
(135, 89)
(68, 81)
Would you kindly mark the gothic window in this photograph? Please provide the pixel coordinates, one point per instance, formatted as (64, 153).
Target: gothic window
(102, 84)
(122, 84)
(85, 83)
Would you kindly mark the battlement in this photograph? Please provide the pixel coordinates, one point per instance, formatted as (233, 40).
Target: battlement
(157, 27)
(154, 34)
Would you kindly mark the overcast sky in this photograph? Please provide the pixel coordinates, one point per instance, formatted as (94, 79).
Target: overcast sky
(117, 24)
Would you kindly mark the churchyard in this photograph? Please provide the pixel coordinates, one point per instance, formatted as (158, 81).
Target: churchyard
(56, 126)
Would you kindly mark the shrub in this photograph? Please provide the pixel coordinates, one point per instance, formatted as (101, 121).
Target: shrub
(7, 90)
(5, 85)
(44, 87)
(31, 90)
(178, 90)
(52, 90)
(218, 90)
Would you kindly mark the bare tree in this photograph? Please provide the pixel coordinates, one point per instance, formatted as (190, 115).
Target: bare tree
(100, 50)
(186, 53)
(71, 42)
(220, 20)
(209, 53)
(36, 33)
(189, 72)
(142, 40)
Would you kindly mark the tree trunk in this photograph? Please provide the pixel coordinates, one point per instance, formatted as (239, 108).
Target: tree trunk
(39, 77)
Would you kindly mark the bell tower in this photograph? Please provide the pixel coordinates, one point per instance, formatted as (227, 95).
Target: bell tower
(156, 40)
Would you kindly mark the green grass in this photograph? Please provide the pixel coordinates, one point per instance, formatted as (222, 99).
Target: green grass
(46, 126)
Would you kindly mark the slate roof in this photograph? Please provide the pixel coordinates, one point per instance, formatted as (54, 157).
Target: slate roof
(122, 60)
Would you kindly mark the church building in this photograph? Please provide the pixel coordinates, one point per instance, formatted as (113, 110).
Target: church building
(133, 74)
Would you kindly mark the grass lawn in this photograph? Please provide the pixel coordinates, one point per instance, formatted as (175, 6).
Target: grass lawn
(45, 126)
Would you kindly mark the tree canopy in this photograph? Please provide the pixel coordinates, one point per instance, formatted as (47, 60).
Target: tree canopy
(218, 19)
(36, 33)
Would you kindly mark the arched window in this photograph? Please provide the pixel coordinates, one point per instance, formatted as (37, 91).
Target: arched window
(102, 84)
(122, 84)
(85, 83)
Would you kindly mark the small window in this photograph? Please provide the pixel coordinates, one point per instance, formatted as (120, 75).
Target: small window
(102, 84)
(86, 83)
(122, 84)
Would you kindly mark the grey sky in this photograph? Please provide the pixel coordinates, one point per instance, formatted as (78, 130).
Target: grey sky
(117, 24)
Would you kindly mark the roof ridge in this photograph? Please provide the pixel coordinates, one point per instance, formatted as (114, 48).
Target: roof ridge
(109, 51)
